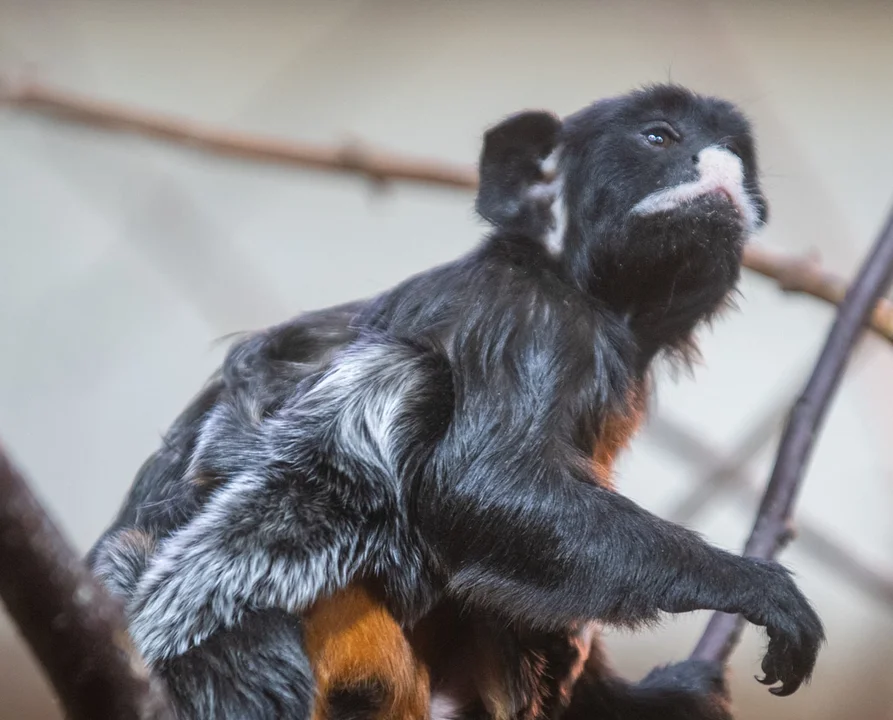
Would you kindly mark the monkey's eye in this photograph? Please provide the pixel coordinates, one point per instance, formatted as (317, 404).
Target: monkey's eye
(660, 135)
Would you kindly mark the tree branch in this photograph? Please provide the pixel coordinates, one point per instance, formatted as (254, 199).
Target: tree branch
(806, 276)
(378, 166)
(791, 273)
(771, 528)
(73, 627)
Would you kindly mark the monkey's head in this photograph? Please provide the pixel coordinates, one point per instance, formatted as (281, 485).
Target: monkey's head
(643, 200)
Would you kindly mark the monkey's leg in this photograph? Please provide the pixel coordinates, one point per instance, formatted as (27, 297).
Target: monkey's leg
(520, 674)
(523, 674)
(363, 661)
(690, 690)
(530, 675)
(255, 670)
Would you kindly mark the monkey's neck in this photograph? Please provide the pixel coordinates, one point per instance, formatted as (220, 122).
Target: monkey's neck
(660, 297)
(662, 293)
(669, 326)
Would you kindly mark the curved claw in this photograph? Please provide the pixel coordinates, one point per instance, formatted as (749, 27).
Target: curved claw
(794, 629)
(784, 690)
(770, 676)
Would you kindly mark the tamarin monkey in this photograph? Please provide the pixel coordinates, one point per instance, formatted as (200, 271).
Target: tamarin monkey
(422, 461)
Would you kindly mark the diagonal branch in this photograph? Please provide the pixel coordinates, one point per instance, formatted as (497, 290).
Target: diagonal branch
(793, 274)
(73, 627)
(771, 528)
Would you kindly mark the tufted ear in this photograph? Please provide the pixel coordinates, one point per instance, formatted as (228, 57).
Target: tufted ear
(517, 188)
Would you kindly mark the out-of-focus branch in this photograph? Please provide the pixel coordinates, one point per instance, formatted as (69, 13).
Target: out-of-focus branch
(793, 274)
(805, 275)
(725, 472)
(376, 165)
(730, 472)
(73, 627)
(771, 528)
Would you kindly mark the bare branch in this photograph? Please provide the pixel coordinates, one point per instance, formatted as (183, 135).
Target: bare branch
(805, 275)
(376, 165)
(73, 627)
(771, 529)
(793, 274)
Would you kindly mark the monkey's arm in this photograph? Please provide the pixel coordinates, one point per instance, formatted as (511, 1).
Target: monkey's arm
(554, 549)
(526, 529)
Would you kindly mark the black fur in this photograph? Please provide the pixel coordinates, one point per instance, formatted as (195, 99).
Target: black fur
(691, 689)
(257, 669)
(438, 437)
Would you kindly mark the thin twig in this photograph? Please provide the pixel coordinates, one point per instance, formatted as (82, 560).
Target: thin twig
(793, 274)
(771, 528)
(73, 627)
(378, 166)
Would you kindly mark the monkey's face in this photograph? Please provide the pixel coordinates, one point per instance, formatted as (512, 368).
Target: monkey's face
(661, 192)
(645, 199)
(663, 150)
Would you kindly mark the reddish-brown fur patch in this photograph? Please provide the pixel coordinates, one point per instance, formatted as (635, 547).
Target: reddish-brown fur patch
(615, 435)
(352, 641)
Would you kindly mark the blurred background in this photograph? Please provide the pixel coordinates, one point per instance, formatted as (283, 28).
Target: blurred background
(124, 262)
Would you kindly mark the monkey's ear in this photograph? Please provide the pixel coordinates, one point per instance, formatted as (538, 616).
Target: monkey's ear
(516, 190)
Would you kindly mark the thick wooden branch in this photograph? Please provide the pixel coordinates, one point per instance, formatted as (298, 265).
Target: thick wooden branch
(71, 624)
(771, 529)
(793, 274)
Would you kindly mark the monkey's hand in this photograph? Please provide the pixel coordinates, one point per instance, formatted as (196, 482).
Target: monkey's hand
(794, 629)
(699, 685)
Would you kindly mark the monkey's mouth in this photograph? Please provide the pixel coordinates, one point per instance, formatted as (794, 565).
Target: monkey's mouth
(735, 202)
(730, 202)
(724, 194)
(727, 198)
(693, 197)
